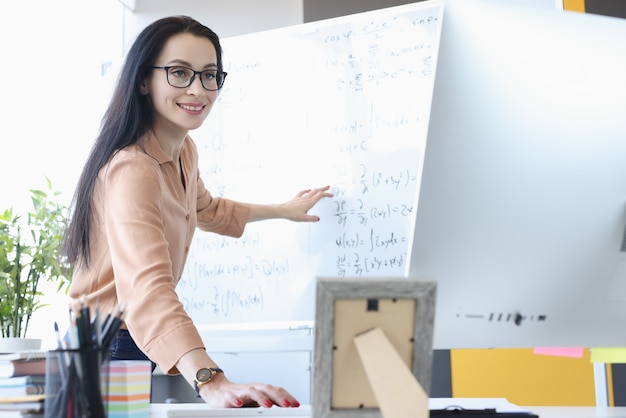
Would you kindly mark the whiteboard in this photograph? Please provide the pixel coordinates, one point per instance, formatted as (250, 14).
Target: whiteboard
(342, 102)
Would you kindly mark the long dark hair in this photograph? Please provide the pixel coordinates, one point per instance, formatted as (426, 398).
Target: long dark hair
(130, 115)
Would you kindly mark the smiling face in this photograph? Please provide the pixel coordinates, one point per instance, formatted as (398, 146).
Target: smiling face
(179, 110)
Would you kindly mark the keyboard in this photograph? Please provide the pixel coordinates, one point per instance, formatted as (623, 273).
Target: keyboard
(302, 411)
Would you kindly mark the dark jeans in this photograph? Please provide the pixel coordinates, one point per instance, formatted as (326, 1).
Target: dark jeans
(123, 347)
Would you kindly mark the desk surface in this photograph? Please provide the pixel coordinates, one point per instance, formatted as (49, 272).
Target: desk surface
(160, 411)
(578, 412)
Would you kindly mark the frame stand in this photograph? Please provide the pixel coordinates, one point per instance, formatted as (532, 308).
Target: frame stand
(397, 391)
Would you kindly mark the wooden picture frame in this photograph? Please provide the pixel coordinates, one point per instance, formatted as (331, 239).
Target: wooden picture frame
(402, 308)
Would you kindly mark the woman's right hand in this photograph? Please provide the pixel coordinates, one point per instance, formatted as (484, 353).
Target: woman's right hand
(222, 393)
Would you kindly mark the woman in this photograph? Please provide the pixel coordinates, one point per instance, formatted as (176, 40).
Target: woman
(140, 198)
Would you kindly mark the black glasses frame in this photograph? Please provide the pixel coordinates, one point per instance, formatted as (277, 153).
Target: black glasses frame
(220, 77)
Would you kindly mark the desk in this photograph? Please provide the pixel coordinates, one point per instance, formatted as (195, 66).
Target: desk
(578, 411)
(159, 411)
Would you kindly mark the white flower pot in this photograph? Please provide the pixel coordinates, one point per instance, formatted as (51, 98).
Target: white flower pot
(11, 345)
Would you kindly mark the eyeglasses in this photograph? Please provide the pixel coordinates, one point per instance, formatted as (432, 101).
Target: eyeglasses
(182, 77)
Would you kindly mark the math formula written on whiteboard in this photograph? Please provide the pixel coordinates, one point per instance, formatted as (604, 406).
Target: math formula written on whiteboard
(342, 102)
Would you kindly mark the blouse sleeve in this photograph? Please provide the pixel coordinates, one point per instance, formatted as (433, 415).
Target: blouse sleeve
(219, 215)
(133, 223)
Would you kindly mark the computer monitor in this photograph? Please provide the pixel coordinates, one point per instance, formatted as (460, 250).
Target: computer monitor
(522, 206)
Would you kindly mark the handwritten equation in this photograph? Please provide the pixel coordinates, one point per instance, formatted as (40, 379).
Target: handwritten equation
(248, 268)
(224, 302)
(379, 50)
(356, 213)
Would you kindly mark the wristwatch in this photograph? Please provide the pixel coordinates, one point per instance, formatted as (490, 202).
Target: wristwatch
(203, 376)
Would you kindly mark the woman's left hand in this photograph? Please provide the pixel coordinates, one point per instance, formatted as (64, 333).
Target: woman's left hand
(297, 208)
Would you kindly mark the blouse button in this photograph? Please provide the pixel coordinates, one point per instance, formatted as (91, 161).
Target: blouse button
(187, 217)
(186, 249)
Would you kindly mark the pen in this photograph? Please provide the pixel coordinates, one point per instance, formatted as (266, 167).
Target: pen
(58, 336)
(84, 324)
(113, 327)
(106, 323)
(96, 325)
(62, 356)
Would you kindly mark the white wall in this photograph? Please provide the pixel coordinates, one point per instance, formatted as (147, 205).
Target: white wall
(226, 18)
(53, 90)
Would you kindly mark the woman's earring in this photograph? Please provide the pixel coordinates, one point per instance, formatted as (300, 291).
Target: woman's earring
(143, 88)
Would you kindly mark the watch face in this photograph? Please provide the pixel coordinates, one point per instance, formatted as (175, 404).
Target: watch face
(204, 375)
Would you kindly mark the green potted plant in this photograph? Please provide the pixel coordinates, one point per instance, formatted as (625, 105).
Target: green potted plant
(30, 255)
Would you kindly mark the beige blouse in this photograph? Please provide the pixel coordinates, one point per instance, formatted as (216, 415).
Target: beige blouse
(144, 220)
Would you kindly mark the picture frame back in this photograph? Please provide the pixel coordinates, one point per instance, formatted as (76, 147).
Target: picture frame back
(403, 308)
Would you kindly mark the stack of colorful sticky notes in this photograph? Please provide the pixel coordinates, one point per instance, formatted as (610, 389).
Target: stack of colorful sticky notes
(129, 388)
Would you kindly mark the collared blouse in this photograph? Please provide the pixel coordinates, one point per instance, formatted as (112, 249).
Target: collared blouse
(143, 220)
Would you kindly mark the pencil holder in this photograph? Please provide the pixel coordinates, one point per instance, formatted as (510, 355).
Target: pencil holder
(77, 383)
